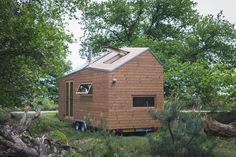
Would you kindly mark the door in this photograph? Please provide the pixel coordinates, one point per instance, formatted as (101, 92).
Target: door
(69, 99)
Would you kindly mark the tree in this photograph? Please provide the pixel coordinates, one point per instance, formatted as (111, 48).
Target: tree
(33, 49)
(120, 22)
(181, 135)
(196, 84)
(182, 39)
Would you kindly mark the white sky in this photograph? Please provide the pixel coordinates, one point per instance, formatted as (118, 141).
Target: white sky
(205, 7)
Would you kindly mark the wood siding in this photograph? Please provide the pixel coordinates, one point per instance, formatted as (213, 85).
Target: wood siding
(142, 76)
(93, 106)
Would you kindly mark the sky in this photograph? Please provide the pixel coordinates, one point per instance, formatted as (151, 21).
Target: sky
(204, 7)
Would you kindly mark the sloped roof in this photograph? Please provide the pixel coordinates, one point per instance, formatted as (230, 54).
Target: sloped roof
(102, 63)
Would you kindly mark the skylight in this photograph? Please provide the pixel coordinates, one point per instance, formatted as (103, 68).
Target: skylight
(120, 54)
(113, 59)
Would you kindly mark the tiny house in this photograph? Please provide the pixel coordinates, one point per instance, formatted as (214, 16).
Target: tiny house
(119, 88)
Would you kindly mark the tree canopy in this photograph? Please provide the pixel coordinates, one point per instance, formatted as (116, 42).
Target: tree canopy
(33, 49)
(198, 52)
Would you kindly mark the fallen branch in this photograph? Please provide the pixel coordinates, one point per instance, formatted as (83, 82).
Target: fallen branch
(15, 140)
(216, 128)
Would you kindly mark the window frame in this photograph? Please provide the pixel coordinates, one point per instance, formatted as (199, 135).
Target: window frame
(85, 93)
(154, 101)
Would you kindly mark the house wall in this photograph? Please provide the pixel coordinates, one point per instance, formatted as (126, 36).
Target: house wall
(94, 106)
(142, 76)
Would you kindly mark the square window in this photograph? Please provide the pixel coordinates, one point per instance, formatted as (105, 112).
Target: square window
(143, 101)
(84, 88)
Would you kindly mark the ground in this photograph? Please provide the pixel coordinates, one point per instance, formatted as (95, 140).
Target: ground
(101, 144)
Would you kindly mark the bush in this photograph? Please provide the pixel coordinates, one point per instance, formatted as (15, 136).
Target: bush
(59, 135)
(181, 135)
(4, 116)
(40, 126)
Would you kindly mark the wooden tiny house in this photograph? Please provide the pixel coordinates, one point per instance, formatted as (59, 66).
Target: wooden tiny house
(119, 87)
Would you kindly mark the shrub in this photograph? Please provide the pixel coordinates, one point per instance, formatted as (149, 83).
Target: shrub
(59, 135)
(181, 135)
(4, 116)
(40, 126)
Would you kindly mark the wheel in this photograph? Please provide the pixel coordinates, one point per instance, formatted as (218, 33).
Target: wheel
(77, 126)
(82, 129)
(80, 126)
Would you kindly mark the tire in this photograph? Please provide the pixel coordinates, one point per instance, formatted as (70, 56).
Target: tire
(77, 126)
(82, 129)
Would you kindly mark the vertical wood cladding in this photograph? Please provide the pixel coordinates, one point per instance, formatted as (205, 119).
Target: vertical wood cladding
(113, 102)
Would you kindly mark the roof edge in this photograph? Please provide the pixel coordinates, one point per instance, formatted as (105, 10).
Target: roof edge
(158, 60)
(105, 70)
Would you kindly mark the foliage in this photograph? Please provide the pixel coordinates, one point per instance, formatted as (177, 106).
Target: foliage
(33, 49)
(126, 146)
(75, 155)
(210, 85)
(181, 136)
(107, 144)
(4, 116)
(225, 147)
(46, 104)
(198, 52)
(59, 135)
(40, 126)
(120, 22)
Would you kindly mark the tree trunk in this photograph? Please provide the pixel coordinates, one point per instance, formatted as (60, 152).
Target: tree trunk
(14, 141)
(216, 128)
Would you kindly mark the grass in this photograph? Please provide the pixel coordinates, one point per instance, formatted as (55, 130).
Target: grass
(92, 144)
(49, 122)
(226, 147)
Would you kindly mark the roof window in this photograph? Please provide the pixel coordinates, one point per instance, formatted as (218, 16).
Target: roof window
(120, 54)
(113, 59)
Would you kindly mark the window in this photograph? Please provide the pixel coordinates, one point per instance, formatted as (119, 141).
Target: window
(84, 88)
(120, 53)
(69, 98)
(143, 101)
(113, 59)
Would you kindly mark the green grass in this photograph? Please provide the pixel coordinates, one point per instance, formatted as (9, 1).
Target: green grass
(226, 147)
(96, 144)
(49, 122)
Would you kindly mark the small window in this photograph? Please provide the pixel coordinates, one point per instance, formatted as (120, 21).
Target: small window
(115, 58)
(143, 101)
(120, 54)
(84, 88)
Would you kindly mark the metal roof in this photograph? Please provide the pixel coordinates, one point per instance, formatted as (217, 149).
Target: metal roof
(113, 59)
